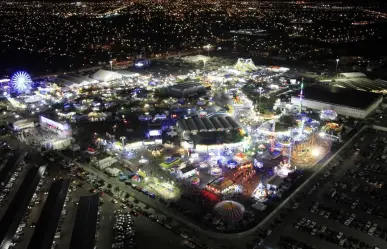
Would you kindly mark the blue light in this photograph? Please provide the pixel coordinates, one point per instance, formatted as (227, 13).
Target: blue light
(140, 63)
(21, 81)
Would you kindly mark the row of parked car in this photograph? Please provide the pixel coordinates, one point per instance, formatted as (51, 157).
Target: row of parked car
(123, 230)
(358, 196)
(292, 243)
(350, 219)
(336, 237)
(11, 182)
(22, 226)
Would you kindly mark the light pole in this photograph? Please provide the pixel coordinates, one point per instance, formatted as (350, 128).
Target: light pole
(111, 65)
(208, 47)
(301, 94)
(259, 102)
(290, 145)
(337, 65)
(123, 141)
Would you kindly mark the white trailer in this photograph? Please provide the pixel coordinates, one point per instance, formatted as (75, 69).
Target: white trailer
(113, 171)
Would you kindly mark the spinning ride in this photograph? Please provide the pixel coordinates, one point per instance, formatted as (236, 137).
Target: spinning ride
(215, 171)
(230, 211)
(195, 180)
(306, 153)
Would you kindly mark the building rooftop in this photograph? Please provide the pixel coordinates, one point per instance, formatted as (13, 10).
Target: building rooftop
(85, 223)
(185, 89)
(219, 122)
(18, 206)
(9, 167)
(46, 226)
(105, 75)
(340, 96)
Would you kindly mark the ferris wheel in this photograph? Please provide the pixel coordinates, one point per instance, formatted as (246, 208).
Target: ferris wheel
(21, 81)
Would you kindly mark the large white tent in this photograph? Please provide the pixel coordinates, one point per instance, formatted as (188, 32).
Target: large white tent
(105, 76)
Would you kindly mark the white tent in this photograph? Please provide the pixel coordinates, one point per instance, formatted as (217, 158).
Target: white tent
(196, 58)
(245, 65)
(105, 76)
(23, 124)
(353, 75)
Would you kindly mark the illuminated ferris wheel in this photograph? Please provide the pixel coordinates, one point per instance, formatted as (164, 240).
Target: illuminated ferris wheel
(21, 81)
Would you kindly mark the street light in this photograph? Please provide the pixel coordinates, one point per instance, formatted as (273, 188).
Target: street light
(123, 141)
(208, 47)
(259, 103)
(204, 63)
(111, 65)
(337, 65)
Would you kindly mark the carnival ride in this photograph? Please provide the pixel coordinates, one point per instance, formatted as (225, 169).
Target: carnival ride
(215, 171)
(332, 127)
(231, 164)
(328, 115)
(298, 130)
(283, 169)
(261, 192)
(20, 81)
(156, 150)
(229, 211)
(308, 152)
(195, 180)
(244, 172)
(301, 95)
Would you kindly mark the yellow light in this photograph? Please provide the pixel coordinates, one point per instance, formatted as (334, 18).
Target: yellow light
(316, 152)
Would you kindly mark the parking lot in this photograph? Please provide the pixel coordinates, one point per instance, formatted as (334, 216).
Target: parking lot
(342, 207)
(145, 218)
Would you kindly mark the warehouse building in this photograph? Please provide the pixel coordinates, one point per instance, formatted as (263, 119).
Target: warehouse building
(205, 124)
(185, 89)
(346, 102)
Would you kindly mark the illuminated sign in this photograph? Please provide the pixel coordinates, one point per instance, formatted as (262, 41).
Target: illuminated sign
(154, 133)
(63, 127)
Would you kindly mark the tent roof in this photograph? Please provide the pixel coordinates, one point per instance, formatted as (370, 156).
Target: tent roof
(104, 75)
